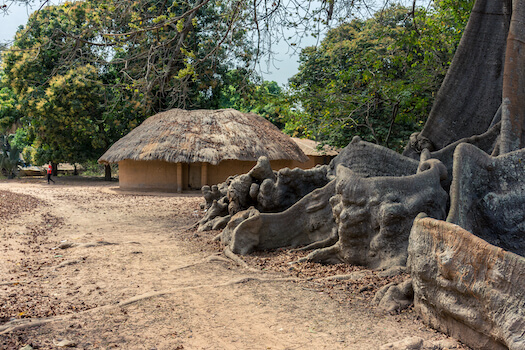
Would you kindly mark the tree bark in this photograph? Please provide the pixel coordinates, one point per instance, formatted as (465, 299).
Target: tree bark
(513, 112)
(107, 172)
(471, 92)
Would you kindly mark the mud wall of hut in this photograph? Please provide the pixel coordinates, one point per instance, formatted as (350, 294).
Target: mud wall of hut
(149, 175)
(172, 177)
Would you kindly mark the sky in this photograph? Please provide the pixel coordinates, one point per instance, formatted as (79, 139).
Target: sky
(284, 66)
(18, 15)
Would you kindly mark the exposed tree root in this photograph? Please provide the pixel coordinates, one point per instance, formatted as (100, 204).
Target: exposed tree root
(68, 245)
(216, 258)
(13, 283)
(25, 323)
(190, 227)
(212, 258)
(328, 255)
(354, 276)
(239, 280)
(238, 260)
(185, 229)
(17, 325)
(317, 245)
(67, 263)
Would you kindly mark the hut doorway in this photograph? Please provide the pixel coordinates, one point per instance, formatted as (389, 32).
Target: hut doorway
(194, 176)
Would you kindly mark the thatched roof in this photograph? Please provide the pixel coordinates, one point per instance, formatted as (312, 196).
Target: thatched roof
(310, 148)
(180, 136)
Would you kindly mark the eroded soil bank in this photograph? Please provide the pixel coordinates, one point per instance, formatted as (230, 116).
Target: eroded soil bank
(88, 266)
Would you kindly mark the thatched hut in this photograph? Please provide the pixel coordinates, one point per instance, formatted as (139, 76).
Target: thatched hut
(316, 155)
(180, 149)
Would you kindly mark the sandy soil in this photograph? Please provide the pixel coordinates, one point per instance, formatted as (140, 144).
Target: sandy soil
(88, 266)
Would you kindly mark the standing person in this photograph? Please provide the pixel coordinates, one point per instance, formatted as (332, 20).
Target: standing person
(49, 172)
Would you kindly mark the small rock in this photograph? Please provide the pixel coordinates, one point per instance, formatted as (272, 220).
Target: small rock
(412, 343)
(366, 288)
(417, 343)
(447, 344)
(65, 343)
(27, 347)
(66, 245)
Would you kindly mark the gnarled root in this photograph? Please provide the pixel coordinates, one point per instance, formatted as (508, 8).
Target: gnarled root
(328, 255)
(319, 244)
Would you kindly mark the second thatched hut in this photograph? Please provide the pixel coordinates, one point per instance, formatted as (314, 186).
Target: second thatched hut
(316, 155)
(178, 149)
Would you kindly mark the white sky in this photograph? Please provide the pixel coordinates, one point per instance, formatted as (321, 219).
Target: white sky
(9, 23)
(283, 67)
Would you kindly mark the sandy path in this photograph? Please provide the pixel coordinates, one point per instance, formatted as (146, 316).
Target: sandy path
(132, 276)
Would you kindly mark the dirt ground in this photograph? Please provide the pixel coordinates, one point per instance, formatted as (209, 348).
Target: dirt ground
(84, 265)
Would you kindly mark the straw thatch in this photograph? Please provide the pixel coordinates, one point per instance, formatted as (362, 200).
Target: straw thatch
(311, 148)
(210, 136)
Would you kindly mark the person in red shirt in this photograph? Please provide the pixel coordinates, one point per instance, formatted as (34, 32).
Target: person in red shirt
(49, 171)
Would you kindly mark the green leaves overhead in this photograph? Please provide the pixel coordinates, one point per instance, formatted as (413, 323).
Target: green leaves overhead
(264, 98)
(81, 75)
(85, 73)
(375, 78)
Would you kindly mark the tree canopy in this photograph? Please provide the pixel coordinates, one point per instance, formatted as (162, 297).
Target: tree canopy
(83, 76)
(376, 78)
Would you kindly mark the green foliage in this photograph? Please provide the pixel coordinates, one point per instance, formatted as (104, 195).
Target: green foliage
(83, 74)
(171, 55)
(93, 169)
(20, 139)
(61, 100)
(375, 78)
(264, 98)
(9, 158)
(69, 124)
(9, 113)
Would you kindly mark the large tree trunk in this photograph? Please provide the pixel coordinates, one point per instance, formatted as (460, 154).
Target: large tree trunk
(471, 92)
(513, 112)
